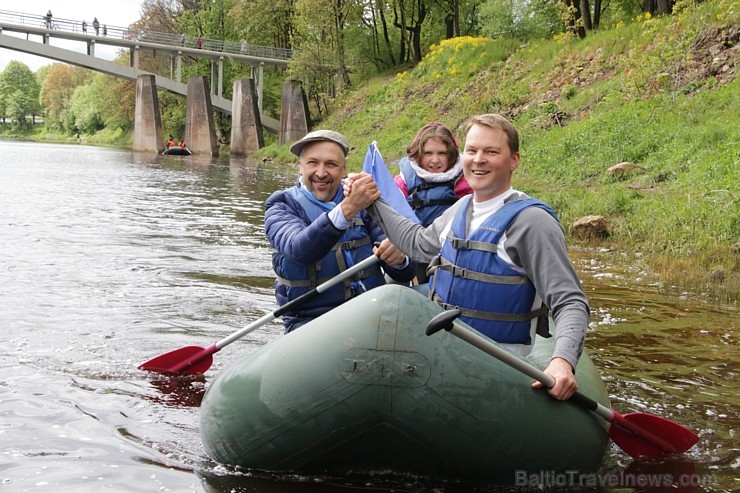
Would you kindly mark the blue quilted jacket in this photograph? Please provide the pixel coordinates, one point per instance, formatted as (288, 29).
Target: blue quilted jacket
(295, 239)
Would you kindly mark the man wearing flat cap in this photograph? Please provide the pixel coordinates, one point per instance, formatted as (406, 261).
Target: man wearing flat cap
(316, 232)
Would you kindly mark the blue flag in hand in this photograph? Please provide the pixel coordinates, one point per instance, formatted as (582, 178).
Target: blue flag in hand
(375, 166)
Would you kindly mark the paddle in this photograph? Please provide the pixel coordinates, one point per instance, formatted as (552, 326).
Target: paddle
(195, 359)
(638, 434)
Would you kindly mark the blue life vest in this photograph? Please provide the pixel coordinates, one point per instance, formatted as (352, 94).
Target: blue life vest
(468, 274)
(428, 200)
(354, 246)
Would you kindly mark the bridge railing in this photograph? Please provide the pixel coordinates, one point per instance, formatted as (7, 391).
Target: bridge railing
(147, 36)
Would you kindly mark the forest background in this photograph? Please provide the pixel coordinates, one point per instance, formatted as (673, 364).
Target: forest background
(590, 84)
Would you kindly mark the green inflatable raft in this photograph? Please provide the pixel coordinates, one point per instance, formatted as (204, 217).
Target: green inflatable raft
(363, 389)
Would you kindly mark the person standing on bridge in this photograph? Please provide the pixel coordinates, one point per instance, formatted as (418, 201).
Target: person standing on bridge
(105, 30)
(182, 39)
(84, 26)
(47, 17)
(199, 42)
(96, 25)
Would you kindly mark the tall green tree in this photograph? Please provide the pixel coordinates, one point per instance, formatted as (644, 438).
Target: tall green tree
(117, 101)
(265, 22)
(56, 94)
(320, 58)
(380, 49)
(84, 110)
(19, 92)
(523, 20)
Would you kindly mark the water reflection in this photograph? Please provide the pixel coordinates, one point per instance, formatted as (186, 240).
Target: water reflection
(179, 390)
(671, 354)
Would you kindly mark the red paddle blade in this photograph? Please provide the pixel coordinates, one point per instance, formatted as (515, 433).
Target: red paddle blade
(189, 360)
(645, 435)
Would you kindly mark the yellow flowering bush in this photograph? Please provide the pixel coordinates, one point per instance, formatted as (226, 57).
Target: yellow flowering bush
(464, 55)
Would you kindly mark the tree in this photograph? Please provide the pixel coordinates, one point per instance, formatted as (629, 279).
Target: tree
(452, 19)
(267, 22)
(662, 7)
(320, 59)
(521, 20)
(56, 93)
(372, 39)
(19, 92)
(165, 14)
(85, 111)
(117, 101)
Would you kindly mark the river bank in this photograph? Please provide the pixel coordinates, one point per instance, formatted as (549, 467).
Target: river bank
(38, 132)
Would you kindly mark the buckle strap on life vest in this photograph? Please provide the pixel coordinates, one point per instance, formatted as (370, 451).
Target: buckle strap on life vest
(463, 244)
(356, 222)
(498, 317)
(339, 248)
(300, 284)
(428, 185)
(360, 276)
(444, 264)
(342, 267)
(417, 203)
(351, 244)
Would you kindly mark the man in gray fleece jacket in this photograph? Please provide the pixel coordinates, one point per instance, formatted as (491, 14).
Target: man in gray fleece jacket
(480, 240)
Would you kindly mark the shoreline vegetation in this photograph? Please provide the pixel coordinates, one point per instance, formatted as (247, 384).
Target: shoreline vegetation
(39, 133)
(637, 123)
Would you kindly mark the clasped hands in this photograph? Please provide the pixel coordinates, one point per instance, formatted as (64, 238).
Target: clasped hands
(360, 191)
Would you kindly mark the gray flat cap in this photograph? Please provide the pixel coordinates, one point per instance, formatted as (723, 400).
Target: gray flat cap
(320, 135)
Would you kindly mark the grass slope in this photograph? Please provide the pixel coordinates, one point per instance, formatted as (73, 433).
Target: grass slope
(660, 93)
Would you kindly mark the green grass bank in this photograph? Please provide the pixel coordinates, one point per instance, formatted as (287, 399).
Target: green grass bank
(660, 93)
(40, 133)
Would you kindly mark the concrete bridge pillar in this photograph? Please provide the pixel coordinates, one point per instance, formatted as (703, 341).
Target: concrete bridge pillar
(147, 121)
(293, 112)
(258, 74)
(200, 129)
(133, 57)
(178, 69)
(220, 77)
(246, 123)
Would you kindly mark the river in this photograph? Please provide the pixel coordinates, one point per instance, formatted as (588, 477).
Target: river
(109, 258)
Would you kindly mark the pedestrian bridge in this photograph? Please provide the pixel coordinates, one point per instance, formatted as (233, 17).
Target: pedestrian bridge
(39, 33)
